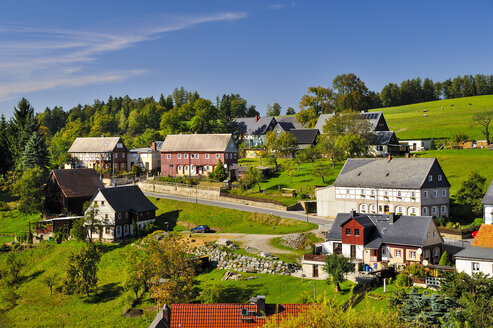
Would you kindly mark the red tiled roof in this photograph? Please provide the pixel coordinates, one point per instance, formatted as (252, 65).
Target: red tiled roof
(78, 182)
(228, 315)
(484, 238)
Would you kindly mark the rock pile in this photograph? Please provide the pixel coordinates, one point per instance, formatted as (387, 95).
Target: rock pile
(223, 258)
(296, 241)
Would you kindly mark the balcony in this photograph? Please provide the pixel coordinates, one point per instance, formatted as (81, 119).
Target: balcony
(315, 257)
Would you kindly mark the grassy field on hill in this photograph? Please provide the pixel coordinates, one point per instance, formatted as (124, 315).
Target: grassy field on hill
(14, 222)
(458, 163)
(224, 219)
(445, 117)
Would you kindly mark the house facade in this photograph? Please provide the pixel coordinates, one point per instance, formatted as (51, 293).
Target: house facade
(253, 130)
(418, 144)
(196, 154)
(383, 143)
(376, 120)
(118, 210)
(381, 240)
(479, 256)
(488, 205)
(101, 152)
(407, 186)
(148, 158)
(68, 190)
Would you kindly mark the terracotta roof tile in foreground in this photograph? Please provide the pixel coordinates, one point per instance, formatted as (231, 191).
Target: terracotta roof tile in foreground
(228, 315)
(484, 238)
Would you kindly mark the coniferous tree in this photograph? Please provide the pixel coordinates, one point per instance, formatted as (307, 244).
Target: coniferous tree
(6, 158)
(22, 126)
(35, 153)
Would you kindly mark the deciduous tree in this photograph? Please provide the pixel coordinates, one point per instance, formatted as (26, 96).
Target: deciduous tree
(337, 266)
(81, 271)
(483, 120)
(472, 192)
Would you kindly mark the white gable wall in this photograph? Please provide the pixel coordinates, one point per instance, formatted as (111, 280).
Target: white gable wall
(488, 214)
(466, 265)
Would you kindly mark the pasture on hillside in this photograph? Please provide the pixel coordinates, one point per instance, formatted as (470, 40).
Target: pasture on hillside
(441, 120)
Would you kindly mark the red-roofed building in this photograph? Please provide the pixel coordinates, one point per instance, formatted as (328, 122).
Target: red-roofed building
(225, 315)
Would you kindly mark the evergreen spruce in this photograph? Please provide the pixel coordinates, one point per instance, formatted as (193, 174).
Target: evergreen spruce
(35, 153)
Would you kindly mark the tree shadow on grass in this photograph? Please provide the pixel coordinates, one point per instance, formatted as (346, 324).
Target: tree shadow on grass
(167, 221)
(232, 293)
(104, 248)
(106, 293)
(25, 279)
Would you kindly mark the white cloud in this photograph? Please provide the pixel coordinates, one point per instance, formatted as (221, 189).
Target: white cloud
(34, 59)
(281, 5)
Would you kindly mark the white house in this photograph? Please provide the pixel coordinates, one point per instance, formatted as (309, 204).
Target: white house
(488, 205)
(119, 209)
(407, 186)
(479, 256)
(418, 144)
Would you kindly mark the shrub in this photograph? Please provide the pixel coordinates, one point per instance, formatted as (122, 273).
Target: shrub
(416, 270)
(441, 221)
(445, 259)
(402, 280)
(450, 225)
(478, 222)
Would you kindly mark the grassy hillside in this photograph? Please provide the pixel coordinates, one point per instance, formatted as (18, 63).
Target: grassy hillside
(445, 117)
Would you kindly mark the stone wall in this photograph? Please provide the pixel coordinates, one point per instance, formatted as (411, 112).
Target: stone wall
(222, 258)
(253, 203)
(181, 190)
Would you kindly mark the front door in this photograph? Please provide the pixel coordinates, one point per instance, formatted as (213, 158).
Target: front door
(353, 251)
(315, 270)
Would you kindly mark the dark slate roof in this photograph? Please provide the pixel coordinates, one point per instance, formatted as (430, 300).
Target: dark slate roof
(284, 126)
(383, 138)
(129, 198)
(78, 182)
(406, 230)
(372, 117)
(404, 173)
(248, 125)
(488, 197)
(289, 120)
(305, 136)
(472, 252)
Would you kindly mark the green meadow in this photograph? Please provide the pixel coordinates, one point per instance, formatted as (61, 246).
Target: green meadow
(437, 119)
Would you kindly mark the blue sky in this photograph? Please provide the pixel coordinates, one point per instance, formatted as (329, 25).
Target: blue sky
(65, 53)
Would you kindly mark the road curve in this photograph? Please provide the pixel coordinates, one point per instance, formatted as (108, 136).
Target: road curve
(296, 215)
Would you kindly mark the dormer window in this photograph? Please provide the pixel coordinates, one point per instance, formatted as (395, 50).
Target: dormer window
(430, 178)
(348, 231)
(440, 177)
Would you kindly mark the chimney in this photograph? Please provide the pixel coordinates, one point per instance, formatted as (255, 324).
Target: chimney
(260, 302)
(154, 146)
(353, 213)
(390, 157)
(407, 155)
(256, 118)
(391, 218)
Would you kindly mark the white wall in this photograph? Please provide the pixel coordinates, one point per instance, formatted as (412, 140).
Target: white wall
(488, 214)
(466, 266)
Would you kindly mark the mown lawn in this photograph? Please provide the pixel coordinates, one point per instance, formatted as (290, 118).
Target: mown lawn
(14, 222)
(36, 307)
(224, 219)
(409, 121)
(458, 163)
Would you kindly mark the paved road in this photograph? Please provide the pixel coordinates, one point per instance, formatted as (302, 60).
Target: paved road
(296, 215)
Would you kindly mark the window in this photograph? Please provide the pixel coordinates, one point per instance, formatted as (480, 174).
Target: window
(185, 156)
(119, 215)
(444, 209)
(116, 155)
(119, 145)
(179, 156)
(435, 194)
(385, 193)
(168, 156)
(362, 208)
(362, 192)
(102, 203)
(435, 234)
(206, 156)
(397, 253)
(412, 255)
(427, 235)
(186, 167)
(197, 156)
(384, 251)
(413, 194)
(107, 230)
(373, 208)
(444, 193)
(126, 215)
(373, 192)
(348, 232)
(425, 210)
(475, 267)
(123, 155)
(425, 194)
(226, 156)
(399, 194)
(106, 216)
(436, 252)
(434, 210)
(347, 191)
(427, 254)
(430, 178)
(95, 203)
(356, 232)
(218, 156)
(180, 167)
(171, 165)
(439, 177)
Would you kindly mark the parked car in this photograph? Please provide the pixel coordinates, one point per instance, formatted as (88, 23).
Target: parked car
(200, 229)
(474, 234)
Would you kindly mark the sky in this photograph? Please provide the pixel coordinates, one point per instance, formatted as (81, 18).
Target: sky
(64, 53)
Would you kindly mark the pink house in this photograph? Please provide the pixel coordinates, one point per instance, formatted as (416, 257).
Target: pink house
(196, 154)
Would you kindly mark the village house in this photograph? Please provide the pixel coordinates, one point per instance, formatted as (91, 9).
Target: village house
(479, 256)
(225, 315)
(148, 158)
(196, 154)
(376, 120)
(488, 205)
(378, 240)
(305, 137)
(408, 186)
(417, 144)
(68, 190)
(100, 152)
(253, 130)
(118, 210)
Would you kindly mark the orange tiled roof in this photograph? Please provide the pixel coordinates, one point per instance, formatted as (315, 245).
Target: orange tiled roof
(227, 315)
(484, 238)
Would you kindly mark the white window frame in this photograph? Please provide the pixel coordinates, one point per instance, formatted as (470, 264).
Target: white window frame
(226, 156)
(178, 156)
(444, 193)
(206, 156)
(218, 156)
(116, 155)
(439, 177)
(397, 253)
(475, 267)
(435, 194)
(425, 210)
(168, 156)
(444, 209)
(425, 194)
(435, 252)
(430, 178)
(412, 255)
(185, 156)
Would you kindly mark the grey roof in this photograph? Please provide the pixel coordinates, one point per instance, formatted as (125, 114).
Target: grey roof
(406, 230)
(407, 173)
(488, 197)
(129, 198)
(284, 126)
(474, 252)
(94, 145)
(198, 142)
(289, 120)
(249, 125)
(305, 136)
(141, 150)
(383, 138)
(372, 117)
